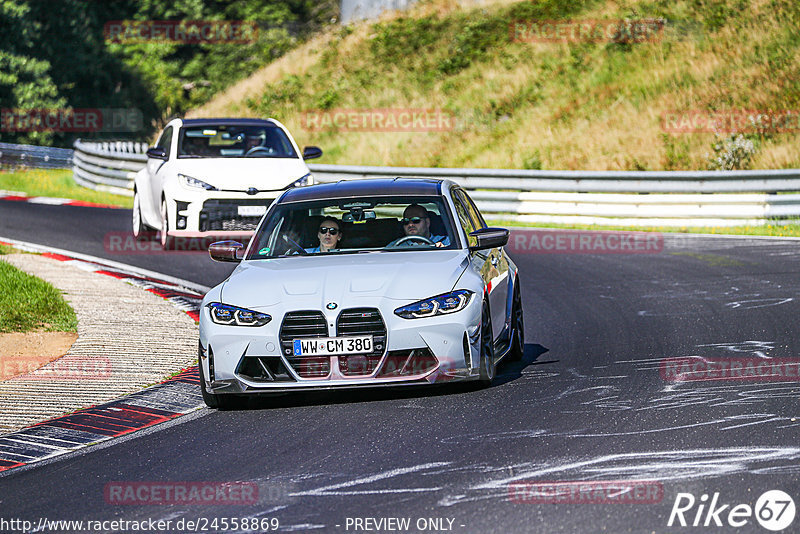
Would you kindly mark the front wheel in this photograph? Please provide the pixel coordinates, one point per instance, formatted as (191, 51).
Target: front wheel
(139, 228)
(487, 364)
(167, 241)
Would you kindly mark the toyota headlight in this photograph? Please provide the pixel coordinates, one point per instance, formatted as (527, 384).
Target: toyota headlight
(441, 305)
(308, 179)
(235, 316)
(188, 181)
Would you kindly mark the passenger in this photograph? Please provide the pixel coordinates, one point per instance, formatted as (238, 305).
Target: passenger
(195, 146)
(417, 222)
(329, 234)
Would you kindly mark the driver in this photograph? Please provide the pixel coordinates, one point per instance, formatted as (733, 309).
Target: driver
(417, 222)
(252, 142)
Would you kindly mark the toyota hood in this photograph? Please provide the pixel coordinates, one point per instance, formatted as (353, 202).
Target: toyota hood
(411, 275)
(239, 174)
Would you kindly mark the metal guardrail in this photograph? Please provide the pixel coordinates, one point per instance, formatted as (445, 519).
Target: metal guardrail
(108, 166)
(13, 155)
(626, 198)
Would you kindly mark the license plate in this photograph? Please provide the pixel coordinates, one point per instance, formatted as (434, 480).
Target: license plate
(252, 211)
(327, 346)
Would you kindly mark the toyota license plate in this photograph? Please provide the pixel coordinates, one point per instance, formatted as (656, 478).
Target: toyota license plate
(252, 211)
(328, 346)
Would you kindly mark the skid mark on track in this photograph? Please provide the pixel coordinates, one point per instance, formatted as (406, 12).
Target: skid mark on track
(343, 488)
(664, 466)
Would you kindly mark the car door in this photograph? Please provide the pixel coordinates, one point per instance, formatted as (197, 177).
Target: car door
(488, 263)
(156, 171)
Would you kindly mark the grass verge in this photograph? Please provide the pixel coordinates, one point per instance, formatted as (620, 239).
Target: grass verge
(57, 183)
(28, 303)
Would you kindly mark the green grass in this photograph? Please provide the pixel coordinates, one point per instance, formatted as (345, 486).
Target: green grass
(777, 230)
(28, 303)
(57, 183)
(593, 106)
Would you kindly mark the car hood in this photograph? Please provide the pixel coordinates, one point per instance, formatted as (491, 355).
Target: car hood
(345, 278)
(239, 174)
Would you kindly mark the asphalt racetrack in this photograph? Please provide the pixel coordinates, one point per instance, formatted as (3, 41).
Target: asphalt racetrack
(598, 397)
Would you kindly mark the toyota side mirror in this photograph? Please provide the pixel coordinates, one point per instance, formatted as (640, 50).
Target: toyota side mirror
(156, 153)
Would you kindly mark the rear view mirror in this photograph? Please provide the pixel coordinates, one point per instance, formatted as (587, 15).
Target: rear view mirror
(226, 251)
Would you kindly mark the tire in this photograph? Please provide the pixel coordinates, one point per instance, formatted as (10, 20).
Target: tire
(140, 230)
(220, 402)
(487, 365)
(167, 242)
(517, 326)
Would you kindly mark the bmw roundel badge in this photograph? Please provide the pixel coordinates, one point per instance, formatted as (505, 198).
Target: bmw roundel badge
(331, 305)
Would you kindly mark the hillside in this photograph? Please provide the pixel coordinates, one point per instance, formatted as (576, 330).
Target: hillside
(550, 105)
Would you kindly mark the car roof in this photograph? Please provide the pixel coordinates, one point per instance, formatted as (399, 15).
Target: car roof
(228, 122)
(365, 187)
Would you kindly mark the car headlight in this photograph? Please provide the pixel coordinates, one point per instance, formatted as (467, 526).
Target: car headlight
(235, 316)
(194, 182)
(308, 179)
(441, 305)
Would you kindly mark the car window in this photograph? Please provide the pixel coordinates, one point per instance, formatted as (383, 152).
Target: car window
(235, 141)
(165, 141)
(363, 224)
(464, 218)
(477, 218)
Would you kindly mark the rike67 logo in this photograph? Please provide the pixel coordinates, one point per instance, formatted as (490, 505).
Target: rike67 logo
(774, 510)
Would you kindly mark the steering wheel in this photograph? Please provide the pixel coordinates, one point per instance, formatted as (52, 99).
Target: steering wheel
(408, 238)
(293, 245)
(258, 149)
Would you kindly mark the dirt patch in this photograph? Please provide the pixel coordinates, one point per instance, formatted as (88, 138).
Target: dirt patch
(24, 353)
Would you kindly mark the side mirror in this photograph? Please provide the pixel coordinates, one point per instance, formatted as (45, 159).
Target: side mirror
(311, 152)
(490, 238)
(226, 251)
(156, 153)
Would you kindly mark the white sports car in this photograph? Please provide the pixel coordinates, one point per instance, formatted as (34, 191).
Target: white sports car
(361, 283)
(215, 177)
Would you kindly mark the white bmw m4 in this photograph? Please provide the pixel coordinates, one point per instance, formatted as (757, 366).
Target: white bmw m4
(361, 283)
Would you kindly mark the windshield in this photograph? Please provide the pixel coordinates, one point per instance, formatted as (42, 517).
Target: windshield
(236, 141)
(354, 225)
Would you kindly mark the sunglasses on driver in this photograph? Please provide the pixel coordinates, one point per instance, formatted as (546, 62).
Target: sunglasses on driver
(328, 230)
(415, 220)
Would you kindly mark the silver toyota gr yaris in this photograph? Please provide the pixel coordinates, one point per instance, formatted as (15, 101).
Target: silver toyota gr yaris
(361, 283)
